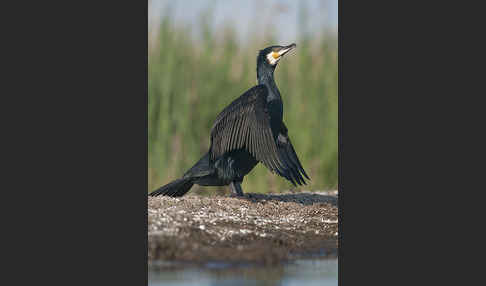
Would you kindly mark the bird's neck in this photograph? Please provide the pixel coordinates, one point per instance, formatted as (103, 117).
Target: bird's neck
(265, 77)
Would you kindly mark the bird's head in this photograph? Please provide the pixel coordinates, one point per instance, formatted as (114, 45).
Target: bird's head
(271, 56)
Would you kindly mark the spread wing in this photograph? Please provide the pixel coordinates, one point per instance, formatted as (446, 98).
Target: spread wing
(245, 123)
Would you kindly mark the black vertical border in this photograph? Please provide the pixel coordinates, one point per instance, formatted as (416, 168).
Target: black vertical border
(79, 203)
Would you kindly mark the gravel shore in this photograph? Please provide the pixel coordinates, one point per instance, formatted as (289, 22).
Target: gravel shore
(258, 228)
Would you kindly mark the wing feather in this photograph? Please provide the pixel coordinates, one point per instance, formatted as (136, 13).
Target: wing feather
(245, 123)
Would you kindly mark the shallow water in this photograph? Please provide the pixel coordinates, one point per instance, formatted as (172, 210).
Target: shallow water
(322, 272)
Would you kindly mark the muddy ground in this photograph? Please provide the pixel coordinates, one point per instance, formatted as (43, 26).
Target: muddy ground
(258, 228)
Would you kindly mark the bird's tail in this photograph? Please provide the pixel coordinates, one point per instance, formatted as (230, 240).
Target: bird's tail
(180, 187)
(176, 188)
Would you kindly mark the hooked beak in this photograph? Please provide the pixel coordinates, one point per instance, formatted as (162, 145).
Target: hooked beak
(286, 49)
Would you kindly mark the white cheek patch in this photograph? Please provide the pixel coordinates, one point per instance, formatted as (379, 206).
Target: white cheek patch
(271, 60)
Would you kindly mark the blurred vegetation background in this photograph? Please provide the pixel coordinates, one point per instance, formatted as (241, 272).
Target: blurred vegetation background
(194, 73)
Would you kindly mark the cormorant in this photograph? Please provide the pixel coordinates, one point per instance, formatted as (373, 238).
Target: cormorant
(248, 131)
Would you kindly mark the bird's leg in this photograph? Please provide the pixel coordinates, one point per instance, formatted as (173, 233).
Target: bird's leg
(236, 189)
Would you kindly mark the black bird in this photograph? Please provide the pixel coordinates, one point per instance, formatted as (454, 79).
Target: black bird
(248, 131)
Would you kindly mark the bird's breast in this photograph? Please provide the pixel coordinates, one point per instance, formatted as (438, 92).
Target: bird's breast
(275, 111)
